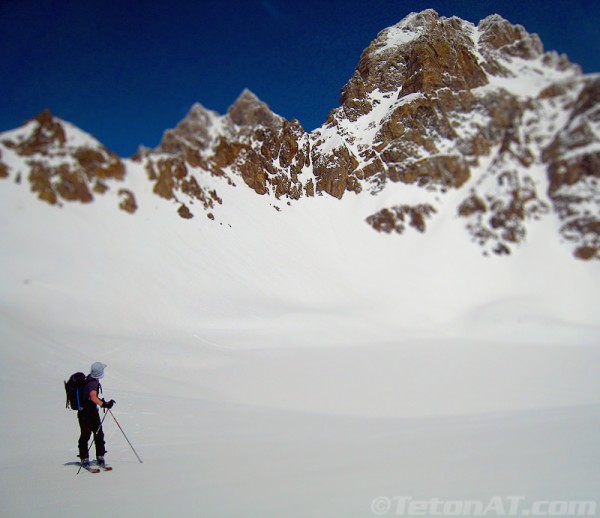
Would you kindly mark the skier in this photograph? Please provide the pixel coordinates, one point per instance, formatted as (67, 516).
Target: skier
(89, 417)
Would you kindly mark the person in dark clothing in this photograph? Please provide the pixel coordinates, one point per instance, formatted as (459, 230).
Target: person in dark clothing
(89, 417)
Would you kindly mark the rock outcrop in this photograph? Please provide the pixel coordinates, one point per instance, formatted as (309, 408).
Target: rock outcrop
(62, 163)
(396, 218)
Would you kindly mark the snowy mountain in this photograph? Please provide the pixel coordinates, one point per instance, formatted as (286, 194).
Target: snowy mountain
(476, 122)
(280, 349)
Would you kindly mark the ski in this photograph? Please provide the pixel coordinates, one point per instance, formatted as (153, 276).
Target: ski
(91, 469)
(106, 468)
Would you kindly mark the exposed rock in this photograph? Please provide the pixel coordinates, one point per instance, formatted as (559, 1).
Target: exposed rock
(445, 171)
(573, 163)
(170, 172)
(60, 167)
(583, 230)
(249, 111)
(269, 157)
(586, 253)
(443, 60)
(253, 170)
(48, 133)
(191, 136)
(437, 104)
(128, 203)
(566, 172)
(394, 219)
(3, 168)
(100, 163)
(333, 171)
(499, 35)
(40, 181)
(421, 54)
(472, 205)
(497, 217)
(174, 180)
(100, 187)
(52, 183)
(184, 212)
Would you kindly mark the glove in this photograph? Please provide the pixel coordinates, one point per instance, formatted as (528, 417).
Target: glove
(108, 404)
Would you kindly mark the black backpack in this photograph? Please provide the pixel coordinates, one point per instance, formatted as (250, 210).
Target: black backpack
(74, 389)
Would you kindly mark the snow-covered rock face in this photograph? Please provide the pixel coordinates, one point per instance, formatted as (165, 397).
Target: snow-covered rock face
(476, 118)
(61, 163)
(444, 104)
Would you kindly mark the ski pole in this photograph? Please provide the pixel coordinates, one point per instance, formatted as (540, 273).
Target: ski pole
(92, 441)
(138, 457)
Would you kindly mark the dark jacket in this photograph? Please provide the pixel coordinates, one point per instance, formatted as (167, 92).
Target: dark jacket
(90, 384)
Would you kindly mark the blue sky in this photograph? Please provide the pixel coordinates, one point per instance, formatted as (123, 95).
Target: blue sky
(126, 70)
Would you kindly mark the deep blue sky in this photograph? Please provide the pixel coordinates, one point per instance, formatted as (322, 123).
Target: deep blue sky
(126, 70)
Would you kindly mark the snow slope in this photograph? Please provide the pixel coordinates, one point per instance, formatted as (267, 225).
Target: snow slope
(290, 363)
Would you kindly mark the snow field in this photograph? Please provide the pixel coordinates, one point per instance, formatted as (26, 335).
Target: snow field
(291, 363)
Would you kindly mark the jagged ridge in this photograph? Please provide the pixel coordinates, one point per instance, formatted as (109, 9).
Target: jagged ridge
(438, 103)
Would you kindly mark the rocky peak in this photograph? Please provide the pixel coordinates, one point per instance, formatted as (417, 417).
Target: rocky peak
(46, 131)
(46, 120)
(415, 112)
(422, 53)
(406, 30)
(193, 131)
(61, 162)
(513, 40)
(249, 111)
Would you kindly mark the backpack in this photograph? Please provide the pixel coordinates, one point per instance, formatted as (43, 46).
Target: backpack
(74, 389)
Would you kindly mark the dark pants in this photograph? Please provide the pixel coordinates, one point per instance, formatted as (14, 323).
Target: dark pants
(89, 423)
